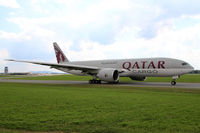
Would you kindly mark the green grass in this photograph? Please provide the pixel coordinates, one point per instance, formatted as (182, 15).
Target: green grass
(190, 78)
(57, 77)
(2, 75)
(98, 109)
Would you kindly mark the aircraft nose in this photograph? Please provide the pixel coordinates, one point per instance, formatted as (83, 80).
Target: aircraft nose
(191, 67)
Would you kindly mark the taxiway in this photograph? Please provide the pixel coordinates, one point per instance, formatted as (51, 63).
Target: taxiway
(135, 84)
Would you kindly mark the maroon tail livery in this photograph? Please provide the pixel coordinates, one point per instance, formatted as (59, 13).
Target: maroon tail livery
(59, 54)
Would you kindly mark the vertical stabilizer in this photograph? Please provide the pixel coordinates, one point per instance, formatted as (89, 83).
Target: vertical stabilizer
(60, 56)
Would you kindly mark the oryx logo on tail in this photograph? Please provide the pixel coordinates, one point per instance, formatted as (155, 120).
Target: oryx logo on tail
(59, 54)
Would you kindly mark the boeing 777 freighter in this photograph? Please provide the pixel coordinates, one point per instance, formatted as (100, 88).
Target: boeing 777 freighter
(111, 70)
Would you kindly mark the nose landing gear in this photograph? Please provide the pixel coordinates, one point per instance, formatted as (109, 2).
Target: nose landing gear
(174, 80)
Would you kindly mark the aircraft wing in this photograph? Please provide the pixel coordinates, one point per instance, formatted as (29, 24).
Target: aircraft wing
(87, 69)
(55, 65)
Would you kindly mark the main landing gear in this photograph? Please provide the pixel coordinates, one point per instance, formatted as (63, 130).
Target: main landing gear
(174, 80)
(94, 81)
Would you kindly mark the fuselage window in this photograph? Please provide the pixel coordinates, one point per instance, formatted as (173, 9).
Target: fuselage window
(184, 64)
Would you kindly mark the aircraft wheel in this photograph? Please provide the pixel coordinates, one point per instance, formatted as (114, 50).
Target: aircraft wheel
(173, 83)
(116, 82)
(99, 81)
(91, 81)
(94, 81)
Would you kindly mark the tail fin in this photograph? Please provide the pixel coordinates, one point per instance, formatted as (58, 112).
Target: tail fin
(59, 54)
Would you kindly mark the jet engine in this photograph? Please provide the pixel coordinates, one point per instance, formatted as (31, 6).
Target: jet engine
(138, 78)
(108, 75)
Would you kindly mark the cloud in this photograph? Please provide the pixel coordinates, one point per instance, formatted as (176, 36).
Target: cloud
(4, 54)
(181, 44)
(9, 3)
(98, 22)
(11, 35)
(32, 26)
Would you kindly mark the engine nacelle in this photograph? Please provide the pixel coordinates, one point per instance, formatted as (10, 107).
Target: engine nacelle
(108, 75)
(138, 78)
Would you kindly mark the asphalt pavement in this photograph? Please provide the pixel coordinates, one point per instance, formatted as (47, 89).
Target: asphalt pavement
(136, 84)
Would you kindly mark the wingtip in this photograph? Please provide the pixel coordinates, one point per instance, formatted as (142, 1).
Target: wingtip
(9, 60)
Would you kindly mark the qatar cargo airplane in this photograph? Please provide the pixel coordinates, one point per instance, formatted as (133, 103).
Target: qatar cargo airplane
(111, 70)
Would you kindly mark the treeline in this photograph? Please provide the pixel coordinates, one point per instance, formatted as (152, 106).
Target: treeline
(195, 72)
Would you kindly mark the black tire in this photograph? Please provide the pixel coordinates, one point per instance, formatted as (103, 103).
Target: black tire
(173, 83)
(94, 81)
(116, 82)
(99, 81)
(91, 82)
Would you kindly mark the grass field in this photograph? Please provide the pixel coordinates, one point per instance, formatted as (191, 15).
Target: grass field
(98, 109)
(191, 78)
(6, 75)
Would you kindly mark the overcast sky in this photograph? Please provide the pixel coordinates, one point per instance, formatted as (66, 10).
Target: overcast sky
(98, 29)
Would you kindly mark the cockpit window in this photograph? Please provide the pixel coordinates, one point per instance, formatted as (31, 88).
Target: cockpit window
(184, 63)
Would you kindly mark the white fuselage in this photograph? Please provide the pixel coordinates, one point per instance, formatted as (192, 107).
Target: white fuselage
(148, 67)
